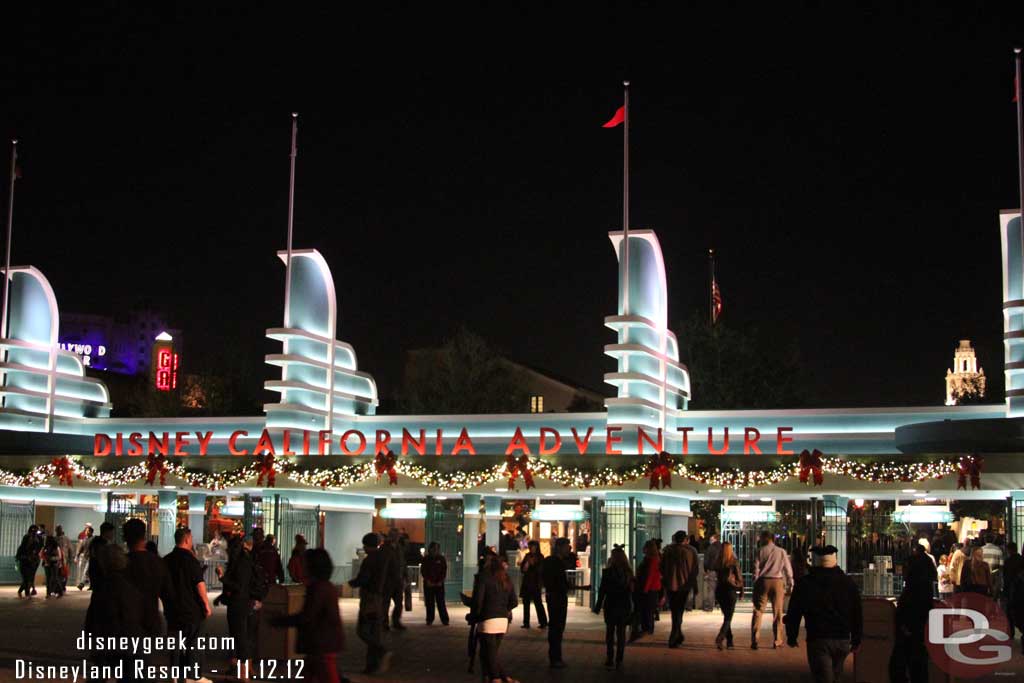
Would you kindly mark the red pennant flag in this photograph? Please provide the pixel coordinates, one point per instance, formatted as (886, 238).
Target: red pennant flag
(620, 116)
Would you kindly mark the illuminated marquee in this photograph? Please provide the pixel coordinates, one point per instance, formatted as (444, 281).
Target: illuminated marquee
(355, 442)
(165, 363)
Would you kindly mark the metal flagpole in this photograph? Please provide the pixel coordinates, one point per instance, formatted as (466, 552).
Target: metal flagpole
(625, 197)
(291, 215)
(10, 223)
(1018, 85)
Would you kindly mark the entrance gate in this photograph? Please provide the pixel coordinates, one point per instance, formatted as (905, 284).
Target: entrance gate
(646, 527)
(444, 526)
(15, 519)
(792, 524)
(276, 516)
(158, 522)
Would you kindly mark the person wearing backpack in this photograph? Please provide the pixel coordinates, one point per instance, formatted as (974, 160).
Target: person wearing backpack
(53, 565)
(240, 585)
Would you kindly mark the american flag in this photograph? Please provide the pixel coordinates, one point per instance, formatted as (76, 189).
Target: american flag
(716, 299)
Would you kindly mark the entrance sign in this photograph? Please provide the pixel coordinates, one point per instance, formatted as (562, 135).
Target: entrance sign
(354, 442)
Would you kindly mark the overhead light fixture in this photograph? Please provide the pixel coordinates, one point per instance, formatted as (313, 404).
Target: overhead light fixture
(714, 490)
(404, 511)
(909, 490)
(557, 513)
(743, 495)
(765, 500)
(920, 495)
(163, 336)
(172, 488)
(500, 490)
(549, 495)
(440, 497)
(858, 502)
(43, 486)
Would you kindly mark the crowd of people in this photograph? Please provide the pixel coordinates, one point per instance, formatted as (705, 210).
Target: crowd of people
(128, 588)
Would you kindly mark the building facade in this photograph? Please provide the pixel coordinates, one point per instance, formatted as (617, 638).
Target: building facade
(321, 460)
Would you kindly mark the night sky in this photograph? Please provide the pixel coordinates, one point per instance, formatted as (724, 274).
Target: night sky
(847, 166)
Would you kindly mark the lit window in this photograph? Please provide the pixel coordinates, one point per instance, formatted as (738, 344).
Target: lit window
(536, 404)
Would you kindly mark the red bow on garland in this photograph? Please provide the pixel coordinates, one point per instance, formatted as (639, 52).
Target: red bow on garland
(970, 466)
(518, 466)
(62, 470)
(265, 468)
(659, 469)
(385, 462)
(156, 464)
(810, 462)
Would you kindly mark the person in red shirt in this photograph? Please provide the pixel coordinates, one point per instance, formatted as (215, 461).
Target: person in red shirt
(648, 591)
(296, 565)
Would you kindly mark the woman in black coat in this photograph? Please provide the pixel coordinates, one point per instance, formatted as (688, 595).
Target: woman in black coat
(530, 588)
(28, 560)
(237, 582)
(494, 598)
(616, 596)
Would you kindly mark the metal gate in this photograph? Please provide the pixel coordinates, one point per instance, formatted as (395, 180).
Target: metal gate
(609, 528)
(792, 525)
(120, 510)
(646, 527)
(15, 519)
(276, 516)
(444, 526)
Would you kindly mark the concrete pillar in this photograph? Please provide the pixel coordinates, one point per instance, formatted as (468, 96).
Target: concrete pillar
(168, 506)
(343, 534)
(197, 517)
(493, 504)
(834, 521)
(470, 527)
(1013, 311)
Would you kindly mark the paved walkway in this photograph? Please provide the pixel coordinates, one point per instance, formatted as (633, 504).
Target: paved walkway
(45, 631)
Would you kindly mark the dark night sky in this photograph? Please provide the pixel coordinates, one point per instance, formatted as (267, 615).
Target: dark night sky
(847, 165)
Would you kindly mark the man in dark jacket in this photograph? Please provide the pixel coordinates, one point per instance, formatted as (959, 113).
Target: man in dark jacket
(828, 600)
(556, 588)
(149, 575)
(679, 578)
(433, 571)
(395, 581)
(531, 587)
(190, 606)
(372, 582)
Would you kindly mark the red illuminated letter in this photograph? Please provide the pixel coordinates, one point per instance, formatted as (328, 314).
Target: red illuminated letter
(265, 445)
(180, 441)
(381, 442)
(518, 443)
(325, 440)
(158, 444)
(101, 445)
(581, 446)
(204, 442)
(134, 444)
(464, 443)
(419, 446)
(344, 442)
(233, 440)
(781, 441)
(725, 444)
(749, 443)
(686, 438)
(286, 443)
(641, 436)
(610, 441)
(544, 449)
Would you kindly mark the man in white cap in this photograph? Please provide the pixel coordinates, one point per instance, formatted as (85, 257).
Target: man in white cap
(829, 601)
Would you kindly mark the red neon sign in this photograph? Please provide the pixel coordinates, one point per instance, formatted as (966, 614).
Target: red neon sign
(166, 370)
